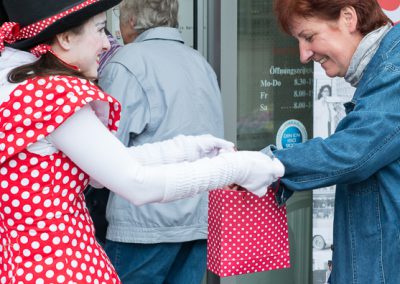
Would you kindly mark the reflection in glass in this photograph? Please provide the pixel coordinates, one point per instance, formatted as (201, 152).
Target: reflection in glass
(273, 88)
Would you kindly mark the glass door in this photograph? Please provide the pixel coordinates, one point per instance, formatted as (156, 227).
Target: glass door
(267, 96)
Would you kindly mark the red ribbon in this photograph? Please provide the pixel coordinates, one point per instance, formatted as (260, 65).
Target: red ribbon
(9, 33)
(41, 49)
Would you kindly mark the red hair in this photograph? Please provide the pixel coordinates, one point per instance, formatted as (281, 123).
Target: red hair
(369, 13)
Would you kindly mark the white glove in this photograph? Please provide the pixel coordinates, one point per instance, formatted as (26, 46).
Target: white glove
(256, 171)
(180, 148)
(204, 146)
(109, 163)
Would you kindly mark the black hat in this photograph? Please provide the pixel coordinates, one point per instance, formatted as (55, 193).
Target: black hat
(3, 15)
(40, 20)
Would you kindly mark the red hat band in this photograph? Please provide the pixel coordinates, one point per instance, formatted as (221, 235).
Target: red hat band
(34, 29)
(38, 25)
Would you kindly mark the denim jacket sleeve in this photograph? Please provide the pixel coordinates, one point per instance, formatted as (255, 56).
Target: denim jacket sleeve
(366, 140)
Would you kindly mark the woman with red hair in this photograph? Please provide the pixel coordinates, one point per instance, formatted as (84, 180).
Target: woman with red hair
(355, 40)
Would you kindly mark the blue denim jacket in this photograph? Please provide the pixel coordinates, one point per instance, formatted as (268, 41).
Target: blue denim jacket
(363, 159)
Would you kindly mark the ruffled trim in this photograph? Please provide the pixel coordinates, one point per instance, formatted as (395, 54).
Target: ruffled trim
(38, 106)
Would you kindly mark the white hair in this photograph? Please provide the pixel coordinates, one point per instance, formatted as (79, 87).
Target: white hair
(150, 13)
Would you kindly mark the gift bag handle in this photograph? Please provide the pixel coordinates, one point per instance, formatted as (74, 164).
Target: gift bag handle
(274, 189)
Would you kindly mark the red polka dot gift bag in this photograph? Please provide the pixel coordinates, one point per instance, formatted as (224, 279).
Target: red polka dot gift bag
(246, 233)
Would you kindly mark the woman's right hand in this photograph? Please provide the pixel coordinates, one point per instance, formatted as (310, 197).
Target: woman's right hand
(255, 170)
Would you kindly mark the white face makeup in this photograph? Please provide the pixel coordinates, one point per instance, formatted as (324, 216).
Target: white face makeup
(84, 49)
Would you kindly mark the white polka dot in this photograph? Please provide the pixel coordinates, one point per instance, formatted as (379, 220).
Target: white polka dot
(6, 113)
(41, 224)
(25, 195)
(14, 177)
(27, 208)
(47, 203)
(28, 111)
(66, 109)
(49, 273)
(16, 106)
(20, 272)
(18, 118)
(38, 268)
(24, 182)
(60, 266)
(36, 200)
(49, 261)
(27, 99)
(3, 171)
(45, 178)
(23, 169)
(49, 108)
(50, 128)
(37, 115)
(38, 212)
(50, 97)
(5, 197)
(30, 87)
(60, 89)
(39, 125)
(27, 122)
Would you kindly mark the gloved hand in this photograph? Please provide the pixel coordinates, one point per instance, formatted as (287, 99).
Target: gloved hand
(255, 170)
(201, 146)
(179, 149)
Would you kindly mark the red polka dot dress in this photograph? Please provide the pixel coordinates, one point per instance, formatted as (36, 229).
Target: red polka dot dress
(46, 233)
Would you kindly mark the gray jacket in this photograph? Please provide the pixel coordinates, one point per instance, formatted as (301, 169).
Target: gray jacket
(166, 89)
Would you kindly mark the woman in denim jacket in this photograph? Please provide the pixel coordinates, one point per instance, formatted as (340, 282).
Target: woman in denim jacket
(355, 40)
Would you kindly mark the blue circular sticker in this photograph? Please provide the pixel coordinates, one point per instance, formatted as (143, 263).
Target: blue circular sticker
(291, 132)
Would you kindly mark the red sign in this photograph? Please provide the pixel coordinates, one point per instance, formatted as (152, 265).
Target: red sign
(389, 5)
(391, 8)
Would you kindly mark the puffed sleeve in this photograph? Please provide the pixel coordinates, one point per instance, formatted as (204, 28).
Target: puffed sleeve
(38, 106)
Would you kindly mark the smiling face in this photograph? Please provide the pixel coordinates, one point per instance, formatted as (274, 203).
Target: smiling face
(90, 44)
(330, 43)
(82, 49)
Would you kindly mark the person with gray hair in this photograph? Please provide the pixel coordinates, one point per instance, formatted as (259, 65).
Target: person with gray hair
(166, 88)
(147, 14)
